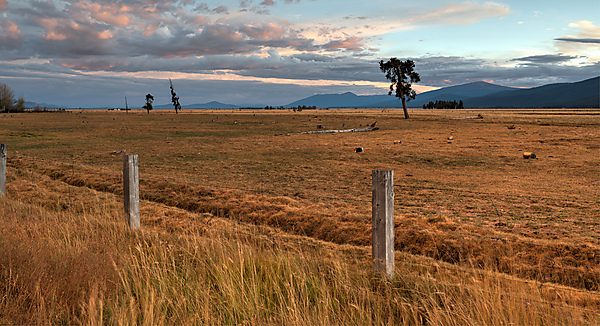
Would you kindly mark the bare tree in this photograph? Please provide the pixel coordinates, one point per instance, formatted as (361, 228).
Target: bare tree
(174, 98)
(7, 98)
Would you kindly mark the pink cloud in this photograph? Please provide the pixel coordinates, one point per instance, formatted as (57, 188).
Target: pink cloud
(351, 43)
(113, 14)
(268, 31)
(10, 35)
(3, 4)
(150, 29)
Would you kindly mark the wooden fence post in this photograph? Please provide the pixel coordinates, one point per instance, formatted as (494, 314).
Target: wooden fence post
(131, 191)
(383, 222)
(2, 169)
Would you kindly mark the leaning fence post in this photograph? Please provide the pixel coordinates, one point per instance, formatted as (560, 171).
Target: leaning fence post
(2, 169)
(131, 191)
(383, 222)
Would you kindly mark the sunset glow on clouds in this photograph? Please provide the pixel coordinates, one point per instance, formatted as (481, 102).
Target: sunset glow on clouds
(272, 52)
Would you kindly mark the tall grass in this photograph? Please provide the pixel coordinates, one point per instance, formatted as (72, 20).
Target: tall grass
(88, 268)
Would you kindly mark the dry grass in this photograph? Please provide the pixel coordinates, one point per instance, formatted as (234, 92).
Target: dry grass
(66, 267)
(66, 256)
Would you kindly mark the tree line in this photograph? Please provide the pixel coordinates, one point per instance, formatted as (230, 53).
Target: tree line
(449, 105)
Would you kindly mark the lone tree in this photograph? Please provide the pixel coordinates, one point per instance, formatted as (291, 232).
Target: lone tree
(174, 98)
(402, 75)
(149, 100)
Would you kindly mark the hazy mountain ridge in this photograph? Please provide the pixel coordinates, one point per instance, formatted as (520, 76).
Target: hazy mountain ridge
(478, 94)
(585, 93)
(458, 92)
(209, 105)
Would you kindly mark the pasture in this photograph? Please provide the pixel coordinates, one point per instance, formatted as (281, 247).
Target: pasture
(469, 210)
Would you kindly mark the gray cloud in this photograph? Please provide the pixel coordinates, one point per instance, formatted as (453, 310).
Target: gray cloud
(142, 35)
(221, 9)
(545, 59)
(267, 3)
(73, 32)
(42, 83)
(100, 91)
(579, 40)
(446, 71)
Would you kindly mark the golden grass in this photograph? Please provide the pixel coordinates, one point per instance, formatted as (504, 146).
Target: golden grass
(67, 258)
(74, 268)
(433, 235)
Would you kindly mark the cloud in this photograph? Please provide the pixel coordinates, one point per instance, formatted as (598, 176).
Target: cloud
(10, 36)
(134, 28)
(278, 78)
(267, 3)
(221, 10)
(267, 31)
(579, 40)
(113, 14)
(584, 42)
(351, 44)
(445, 71)
(400, 16)
(545, 59)
(586, 32)
(464, 13)
(129, 41)
(3, 4)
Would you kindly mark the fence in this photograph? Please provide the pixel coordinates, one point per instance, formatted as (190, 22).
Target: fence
(382, 210)
(383, 222)
(2, 169)
(131, 191)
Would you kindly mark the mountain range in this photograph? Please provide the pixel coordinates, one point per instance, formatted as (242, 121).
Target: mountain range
(209, 105)
(476, 95)
(583, 94)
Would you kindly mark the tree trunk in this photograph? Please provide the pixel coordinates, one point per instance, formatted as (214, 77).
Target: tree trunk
(404, 108)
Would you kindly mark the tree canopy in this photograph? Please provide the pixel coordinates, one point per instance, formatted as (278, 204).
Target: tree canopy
(149, 100)
(401, 74)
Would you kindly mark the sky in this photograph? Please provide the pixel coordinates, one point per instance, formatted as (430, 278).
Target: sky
(76, 53)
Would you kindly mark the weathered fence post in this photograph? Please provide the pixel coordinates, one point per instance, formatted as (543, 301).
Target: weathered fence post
(2, 169)
(131, 191)
(383, 222)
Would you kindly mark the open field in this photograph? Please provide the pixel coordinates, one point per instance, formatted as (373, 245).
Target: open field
(480, 219)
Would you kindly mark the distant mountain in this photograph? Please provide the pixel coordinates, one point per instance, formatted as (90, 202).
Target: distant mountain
(451, 93)
(474, 95)
(347, 99)
(350, 100)
(32, 105)
(568, 95)
(209, 105)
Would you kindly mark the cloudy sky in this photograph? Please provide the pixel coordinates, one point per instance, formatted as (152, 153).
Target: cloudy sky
(273, 52)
